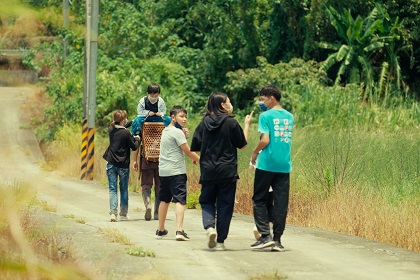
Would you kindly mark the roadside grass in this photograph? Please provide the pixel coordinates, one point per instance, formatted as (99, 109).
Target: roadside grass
(114, 236)
(350, 211)
(30, 249)
(44, 205)
(269, 276)
(139, 252)
(79, 220)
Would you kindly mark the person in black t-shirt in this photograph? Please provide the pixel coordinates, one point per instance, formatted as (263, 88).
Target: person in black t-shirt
(217, 138)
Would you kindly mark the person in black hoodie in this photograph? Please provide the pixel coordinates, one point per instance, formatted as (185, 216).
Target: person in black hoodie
(117, 156)
(217, 138)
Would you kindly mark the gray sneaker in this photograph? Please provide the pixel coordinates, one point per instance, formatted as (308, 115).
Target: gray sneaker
(148, 214)
(263, 242)
(211, 237)
(277, 247)
(124, 218)
(113, 218)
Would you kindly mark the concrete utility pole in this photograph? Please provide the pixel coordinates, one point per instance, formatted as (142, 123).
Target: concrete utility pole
(65, 24)
(91, 50)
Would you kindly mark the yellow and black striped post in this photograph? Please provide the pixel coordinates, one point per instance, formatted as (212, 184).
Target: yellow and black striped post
(90, 154)
(84, 149)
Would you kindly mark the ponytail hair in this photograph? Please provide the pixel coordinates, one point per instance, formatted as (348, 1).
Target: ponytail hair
(118, 116)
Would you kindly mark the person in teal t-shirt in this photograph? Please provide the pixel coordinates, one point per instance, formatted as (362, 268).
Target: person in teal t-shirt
(273, 165)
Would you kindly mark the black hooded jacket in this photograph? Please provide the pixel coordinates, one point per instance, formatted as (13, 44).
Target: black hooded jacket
(217, 138)
(120, 143)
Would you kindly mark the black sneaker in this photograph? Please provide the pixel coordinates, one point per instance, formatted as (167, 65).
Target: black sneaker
(263, 242)
(181, 236)
(277, 247)
(160, 234)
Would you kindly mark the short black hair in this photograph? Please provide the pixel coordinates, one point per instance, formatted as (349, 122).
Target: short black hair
(271, 91)
(176, 110)
(153, 88)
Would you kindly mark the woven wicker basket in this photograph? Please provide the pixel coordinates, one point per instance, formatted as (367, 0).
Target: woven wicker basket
(152, 132)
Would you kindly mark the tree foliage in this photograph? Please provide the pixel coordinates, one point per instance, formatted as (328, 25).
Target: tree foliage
(193, 48)
(369, 47)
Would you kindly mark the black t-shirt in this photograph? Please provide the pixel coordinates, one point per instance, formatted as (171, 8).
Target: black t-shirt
(217, 138)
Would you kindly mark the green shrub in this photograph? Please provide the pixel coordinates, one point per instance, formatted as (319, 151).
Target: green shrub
(192, 200)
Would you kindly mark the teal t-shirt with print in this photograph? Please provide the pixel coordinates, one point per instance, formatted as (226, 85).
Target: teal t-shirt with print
(275, 157)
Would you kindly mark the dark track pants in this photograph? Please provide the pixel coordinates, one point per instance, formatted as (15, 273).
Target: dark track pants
(218, 199)
(280, 182)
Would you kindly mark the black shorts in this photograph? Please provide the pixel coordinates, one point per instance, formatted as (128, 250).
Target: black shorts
(173, 188)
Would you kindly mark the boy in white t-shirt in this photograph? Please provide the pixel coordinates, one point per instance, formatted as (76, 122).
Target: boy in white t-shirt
(173, 173)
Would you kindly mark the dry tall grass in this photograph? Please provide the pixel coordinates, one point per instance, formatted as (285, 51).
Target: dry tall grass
(28, 249)
(352, 212)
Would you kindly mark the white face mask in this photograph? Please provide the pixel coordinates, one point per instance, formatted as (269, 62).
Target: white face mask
(230, 110)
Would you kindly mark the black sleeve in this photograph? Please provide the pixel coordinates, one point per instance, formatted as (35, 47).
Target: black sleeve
(197, 138)
(132, 142)
(237, 135)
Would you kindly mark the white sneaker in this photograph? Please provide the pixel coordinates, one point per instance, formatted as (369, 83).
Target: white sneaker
(257, 235)
(124, 218)
(220, 247)
(211, 237)
(113, 218)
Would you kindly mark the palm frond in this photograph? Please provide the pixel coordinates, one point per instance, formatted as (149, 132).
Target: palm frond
(367, 71)
(329, 46)
(383, 77)
(340, 72)
(371, 28)
(357, 28)
(349, 56)
(337, 21)
(330, 61)
(374, 46)
(342, 52)
(373, 15)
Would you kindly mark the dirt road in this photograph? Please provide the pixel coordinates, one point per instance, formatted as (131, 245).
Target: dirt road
(310, 253)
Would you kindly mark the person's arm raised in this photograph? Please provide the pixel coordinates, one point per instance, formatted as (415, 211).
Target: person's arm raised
(247, 124)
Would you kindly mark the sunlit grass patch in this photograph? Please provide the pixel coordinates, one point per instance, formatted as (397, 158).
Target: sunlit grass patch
(113, 235)
(139, 252)
(44, 205)
(79, 220)
(31, 247)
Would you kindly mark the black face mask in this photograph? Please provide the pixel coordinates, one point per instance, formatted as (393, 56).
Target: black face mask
(177, 125)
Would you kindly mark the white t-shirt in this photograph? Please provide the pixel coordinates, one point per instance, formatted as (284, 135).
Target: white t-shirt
(172, 158)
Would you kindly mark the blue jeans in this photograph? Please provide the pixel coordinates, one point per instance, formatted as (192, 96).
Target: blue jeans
(113, 173)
